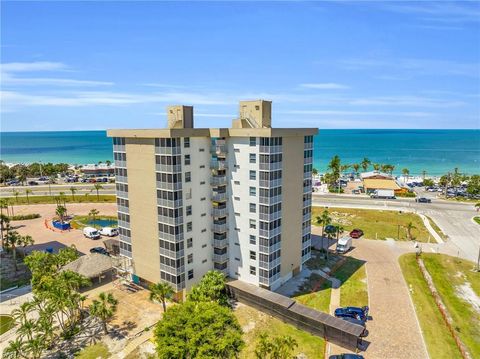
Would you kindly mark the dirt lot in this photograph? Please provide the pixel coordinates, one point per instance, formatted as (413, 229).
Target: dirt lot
(48, 238)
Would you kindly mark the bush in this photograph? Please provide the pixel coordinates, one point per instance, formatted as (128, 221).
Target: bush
(22, 217)
(332, 189)
(406, 194)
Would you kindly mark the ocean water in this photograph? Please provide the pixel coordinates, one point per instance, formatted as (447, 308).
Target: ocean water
(434, 151)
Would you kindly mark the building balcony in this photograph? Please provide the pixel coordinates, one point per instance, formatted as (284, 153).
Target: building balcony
(218, 165)
(270, 200)
(270, 183)
(306, 257)
(169, 204)
(172, 270)
(307, 189)
(218, 180)
(308, 146)
(171, 237)
(120, 164)
(123, 238)
(307, 217)
(168, 168)
(124, 224)
(125, 253)
(220, 258)
(121, 179)
(168, 150)
(307, 203)
(169, 186)
(174, 221)
(270, 265)
(223, 270)
(220, 228)
(269, 281)
(119, 148)
(220, 243)
(306, 231)
(219, 197)
(122, 194)
(269, 233)
(172, 254)
(307, 175)
(219, 150)
(270, 166)
(269, 217)
(123, 209)
(307, 244)
(270, 249)
(270, 149)
(219, 212)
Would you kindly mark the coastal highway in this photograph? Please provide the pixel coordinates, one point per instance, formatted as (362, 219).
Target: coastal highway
(55, 189)
(453, 218)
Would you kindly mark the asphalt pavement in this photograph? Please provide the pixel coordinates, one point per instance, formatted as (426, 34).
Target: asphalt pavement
(55, 189)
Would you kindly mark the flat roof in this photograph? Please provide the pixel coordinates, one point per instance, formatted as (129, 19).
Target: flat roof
(211, 132)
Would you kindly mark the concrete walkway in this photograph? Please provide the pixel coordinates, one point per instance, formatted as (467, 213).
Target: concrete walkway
(429, 227)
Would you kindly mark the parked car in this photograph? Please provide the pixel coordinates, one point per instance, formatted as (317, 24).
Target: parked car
(99, 250)
(356, 233)
(32, 183)
(346, 356)
(423, 200)
(109, 231)
(90, 232)
(352, 312)
(344, 244)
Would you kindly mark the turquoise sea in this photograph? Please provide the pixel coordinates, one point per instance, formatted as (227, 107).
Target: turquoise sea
(435, 151)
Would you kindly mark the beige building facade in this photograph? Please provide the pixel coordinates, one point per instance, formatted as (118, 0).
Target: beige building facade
(237, 200)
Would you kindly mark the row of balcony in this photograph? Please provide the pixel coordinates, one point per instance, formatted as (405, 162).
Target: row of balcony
(218, 165)
(307, 189)
(125, 253)
(172, 270)
(123, 238)
(174, 221)
(121, 179)
(307, 217)
(269, 217)
(306, 231)
(270, 166)
(122, 194)
(218, 180)
(220, 243)
(269, 281)
(307, 175)
(169, 186)
(119, 148)
(120, 164)
(169, 203)
(265, 233)
(172, 254)
(168, 168)
(219, 149)
(171, 237)
(168, 150)
(308, 146)
(219, 212)
(270, 200)
(307, 203)
(219, 197)
(270, 265)
(306, 244)
(306, 257)
(123, 209)
(270, 183)
(220, 228)
(270, 149)
(220, 258)
(270, 249)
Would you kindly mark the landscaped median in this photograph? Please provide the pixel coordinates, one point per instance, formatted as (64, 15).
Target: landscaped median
(90, 198)
(458, 287)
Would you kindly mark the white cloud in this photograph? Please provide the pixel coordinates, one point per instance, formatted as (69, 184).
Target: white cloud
(325, 86)
(32, 66)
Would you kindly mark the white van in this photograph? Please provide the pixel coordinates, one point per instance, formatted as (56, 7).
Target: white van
(91, 233)
(344, 244)
(109, 231)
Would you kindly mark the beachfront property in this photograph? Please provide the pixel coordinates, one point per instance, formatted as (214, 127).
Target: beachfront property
(376, 180)
(96, 170)
(237, 199)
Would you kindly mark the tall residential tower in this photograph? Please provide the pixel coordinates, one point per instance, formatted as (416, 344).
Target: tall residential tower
(237, 199)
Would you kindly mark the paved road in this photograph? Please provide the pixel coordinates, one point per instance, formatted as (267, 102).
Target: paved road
(453, 218)
(55, 189)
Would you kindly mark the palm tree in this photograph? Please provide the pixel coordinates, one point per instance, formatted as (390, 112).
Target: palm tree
(161, 292)
(27, 192)
(15, 349)
(324, 220)
(12, 239)
(104, 308)
(365, 163)
(4, 225)
(16, 194)
(339, 229)
(356, 167)
(60, 212)
(93, 213)
(97, 187)
(343, 168)
(405, 172)
(26, 241)
(4, 204)
(376, 166)
(73, 190)
(108, 162)
(314, 171)
(410, 226)
(62, 198)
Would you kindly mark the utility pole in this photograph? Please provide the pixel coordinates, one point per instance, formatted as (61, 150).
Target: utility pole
(478, 260)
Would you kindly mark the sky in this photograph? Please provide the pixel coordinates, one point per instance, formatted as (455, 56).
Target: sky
(336, 64)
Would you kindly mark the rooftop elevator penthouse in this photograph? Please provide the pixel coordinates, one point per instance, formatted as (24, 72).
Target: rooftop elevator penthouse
(195, 199)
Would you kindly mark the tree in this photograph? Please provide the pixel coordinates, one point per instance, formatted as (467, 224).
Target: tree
(210, 289)
(324, 220)
(161, 292)
(356, 167)
(93, 213)
(108, 162)
(409, 227)
(104, 308)
(365, 164)
(405, 172)
(60, 212)
(198, 330)
(27, 192)
(16, 194)
(339, 229)
(73, 190)
(97, 187)
(22, 173)
(473, 185)
(376, 166)
(427, 182)
(12, 240)
(314, 171)
(445, 182)
(26, 241)
(4, 226)
(280, 347)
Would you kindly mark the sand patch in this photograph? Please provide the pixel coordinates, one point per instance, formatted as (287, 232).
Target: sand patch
(466, 292)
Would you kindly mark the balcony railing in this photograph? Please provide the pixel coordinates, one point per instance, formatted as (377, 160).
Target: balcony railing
(170, 186)
(172, 254)
(270, 265)
(124, 224)
(306, 257)
(123, 209)
(308, 146)
(121, 179)
(169, 203)
(270, 249)
(270, 149)
(306, 244)
(269, 281)
(123, 238)
(219, 212)
(224, 270)
(120, 164)
(220, 258)
(168, 168)
(219, 197)
(307, 217)
(218, 165)
(271, 166)
(170, 220)
(306, 231)
(307, 203)
(122, 194)
(307, 175)
(270, 216)
(170, 237)
(218, 180)
(125, 253)
(270, 200)
(220, 228)
(172, 270)
(219, 149)
(270, 183)
(119, 148)
(307, 189)
(168, 150)
(269, 233)
(220, 243)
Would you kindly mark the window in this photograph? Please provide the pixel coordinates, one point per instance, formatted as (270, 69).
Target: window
(186, 142)
(253, 224)
(190, 258)
(253, 175)
(236, 182)
(190, 274)
(253, 239)
(188, 176)
(203, 246)
(236, 198)
(237, 259)
(202, 182)
(253, 255)
(253, 141)
(257, 107)
(204, 261)
(253, 270)
(201, 150)
(253, 208)
(203, 215)
(188, 210)
(236, 243)
(236, 150)
(189, 243)
(204, 230)
(203, 199)
(253, 158)
(253, 191)
(237, 214)
(236, 166)
(187, 160)
(202, 166)
(189, 226)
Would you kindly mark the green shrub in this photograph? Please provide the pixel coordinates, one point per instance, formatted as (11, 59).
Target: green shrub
(406, 194)
(332, 189)
(22, 217)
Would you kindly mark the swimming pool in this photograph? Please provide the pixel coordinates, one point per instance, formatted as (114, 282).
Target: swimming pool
(103, 223)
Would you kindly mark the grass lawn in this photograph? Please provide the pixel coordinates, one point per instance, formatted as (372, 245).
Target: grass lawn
(438, 339)
(6, 284)
(255, 322)
(458, 285)
(91, 198)
(315, 297)
(95, 351)
(6, 323)
(78, 222)
(437, 229)
(477, 219)
(353, 275)
(376, 224)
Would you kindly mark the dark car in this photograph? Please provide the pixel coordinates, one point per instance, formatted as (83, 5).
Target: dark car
(356, 233)
(346, 356)
(423, 200)
(352, 312)
(32, 183)
(99, 250)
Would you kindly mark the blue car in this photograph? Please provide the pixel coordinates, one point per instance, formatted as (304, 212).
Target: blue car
(346, 356)
(352, 312)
